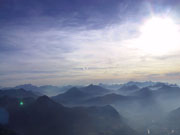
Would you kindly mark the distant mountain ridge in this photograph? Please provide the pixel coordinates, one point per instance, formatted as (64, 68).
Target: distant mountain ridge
(78, 95)
(45, 89)
(17, 93)
(93, 109)
(140, 84)
(94, 90)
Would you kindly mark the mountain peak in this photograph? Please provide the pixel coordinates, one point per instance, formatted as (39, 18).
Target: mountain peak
(73, 89)
(74, 92)
(25, 85)
(44, 99)
(92, 85)
(94, 89)
(45, 102)
(18, 93)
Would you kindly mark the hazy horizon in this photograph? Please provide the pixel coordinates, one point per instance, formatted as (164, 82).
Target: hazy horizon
(87, 84)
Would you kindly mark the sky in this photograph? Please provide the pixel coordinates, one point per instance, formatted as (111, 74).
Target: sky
(62, 42)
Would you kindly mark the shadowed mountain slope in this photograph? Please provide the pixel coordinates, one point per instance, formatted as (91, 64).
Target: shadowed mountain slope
(45, 117)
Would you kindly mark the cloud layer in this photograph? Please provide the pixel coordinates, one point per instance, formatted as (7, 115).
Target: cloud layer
(76, 42)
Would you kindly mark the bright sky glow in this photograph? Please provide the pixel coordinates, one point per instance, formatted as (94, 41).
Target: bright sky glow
(159, 35)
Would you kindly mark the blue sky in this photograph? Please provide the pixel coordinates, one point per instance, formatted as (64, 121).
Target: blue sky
(81, 41)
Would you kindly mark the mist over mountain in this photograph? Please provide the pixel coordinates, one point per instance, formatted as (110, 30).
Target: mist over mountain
(110, 86)
(140, 84)
(128, 89)
(93, 109)
(45, 89)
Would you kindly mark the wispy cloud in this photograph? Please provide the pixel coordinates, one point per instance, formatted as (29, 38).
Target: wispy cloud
(58, 47)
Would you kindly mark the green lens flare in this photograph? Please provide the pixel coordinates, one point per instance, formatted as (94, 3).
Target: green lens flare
(21, 103)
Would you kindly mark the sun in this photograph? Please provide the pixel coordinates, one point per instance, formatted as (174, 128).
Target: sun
(158, 35)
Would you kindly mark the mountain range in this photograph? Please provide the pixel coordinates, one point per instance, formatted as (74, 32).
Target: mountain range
(46, 117)
(93, 109)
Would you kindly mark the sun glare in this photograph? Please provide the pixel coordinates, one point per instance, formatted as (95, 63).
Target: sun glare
(158, 36)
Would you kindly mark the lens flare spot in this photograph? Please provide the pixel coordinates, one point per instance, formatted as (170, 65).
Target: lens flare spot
(21, 103)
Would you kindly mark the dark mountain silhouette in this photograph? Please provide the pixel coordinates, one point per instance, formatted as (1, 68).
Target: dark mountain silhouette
(75, 96)
(143, 108)
(94, 90)
(28, 87)
(45, 117)
(18, 93)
